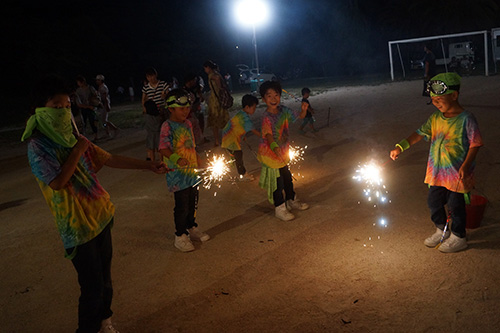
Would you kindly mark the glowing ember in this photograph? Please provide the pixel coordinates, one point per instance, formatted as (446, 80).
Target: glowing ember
(217, 168)
(374, 191)
(296, 154)
(370, 175)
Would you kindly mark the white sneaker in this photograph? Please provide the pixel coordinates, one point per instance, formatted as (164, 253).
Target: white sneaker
(296, 204)
(183, 243)
(282, 213)
(246, 178)
(197, 235)
(434, 240)
(107, 327)
(453, 244)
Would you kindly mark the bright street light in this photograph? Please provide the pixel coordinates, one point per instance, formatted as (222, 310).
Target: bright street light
(252, 13)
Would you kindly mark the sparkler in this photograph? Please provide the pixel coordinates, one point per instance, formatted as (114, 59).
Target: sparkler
(296, 154)
(217, 168)
(74, 124)
(295, 97)
(374, 191)
(370, 175)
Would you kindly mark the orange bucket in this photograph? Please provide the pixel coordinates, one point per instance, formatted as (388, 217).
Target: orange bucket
(475, 211)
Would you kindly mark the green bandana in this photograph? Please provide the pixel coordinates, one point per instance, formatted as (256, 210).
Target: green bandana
(53, 123)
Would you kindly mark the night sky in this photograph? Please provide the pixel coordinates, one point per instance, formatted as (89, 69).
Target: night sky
(121, 38)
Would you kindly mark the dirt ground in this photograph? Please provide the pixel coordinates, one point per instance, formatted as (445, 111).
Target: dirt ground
(331, 269)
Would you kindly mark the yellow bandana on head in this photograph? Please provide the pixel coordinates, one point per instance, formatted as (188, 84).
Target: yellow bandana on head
(53, 123)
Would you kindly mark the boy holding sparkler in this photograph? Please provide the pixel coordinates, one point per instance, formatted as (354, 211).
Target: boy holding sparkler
(65, 168)
(308, 119)
(274, 152)
(234, 132)
(178, 150)
(455, 141)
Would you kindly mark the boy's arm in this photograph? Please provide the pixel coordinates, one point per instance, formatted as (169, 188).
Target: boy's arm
(405, 144)
(143, 100)
(254, 131)
(303, 110)
(123, 162)
(69, 166)
(464, 170)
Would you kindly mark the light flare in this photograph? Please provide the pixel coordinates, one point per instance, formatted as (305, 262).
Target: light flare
(296, 154)
(217, 168)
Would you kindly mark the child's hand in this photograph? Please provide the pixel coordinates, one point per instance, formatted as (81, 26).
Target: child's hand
(82, 144)
(277, 151)
(159, 167)
(464, 172)
(395, 153)
(304, 106)
(182, 162)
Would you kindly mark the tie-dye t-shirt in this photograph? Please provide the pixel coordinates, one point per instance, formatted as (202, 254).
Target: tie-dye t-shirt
(82, 209)
(277, 126)
(451, 139)
(235, 129)
(178, 137)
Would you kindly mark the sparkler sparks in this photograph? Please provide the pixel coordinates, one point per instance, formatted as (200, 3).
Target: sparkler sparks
(296, 154)
(217, 168)
(374, 191)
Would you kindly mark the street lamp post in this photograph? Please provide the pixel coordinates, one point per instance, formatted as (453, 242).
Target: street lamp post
(256, 54)
(252, 12)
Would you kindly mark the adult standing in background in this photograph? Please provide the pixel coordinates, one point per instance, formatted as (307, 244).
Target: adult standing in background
(429, 68)
(105, 106)
(87, 100)
(153, 102)
(217, 116)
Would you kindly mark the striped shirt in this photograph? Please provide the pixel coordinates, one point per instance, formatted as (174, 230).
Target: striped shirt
(154, 94)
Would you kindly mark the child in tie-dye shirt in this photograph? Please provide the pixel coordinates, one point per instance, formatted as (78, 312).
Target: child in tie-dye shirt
(177, 147)
(235, 130)
(273, 152)
(65, 168)
(455, 141)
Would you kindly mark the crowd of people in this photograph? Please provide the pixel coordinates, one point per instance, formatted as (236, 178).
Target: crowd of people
(65, 164)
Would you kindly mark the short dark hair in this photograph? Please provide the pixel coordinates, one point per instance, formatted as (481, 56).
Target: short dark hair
(81, 78)
(48, 87)
(274, 85)
(211, 64)
(249, 100)
(189, 77)
(177, 93)
(305, 91)
(151, 71)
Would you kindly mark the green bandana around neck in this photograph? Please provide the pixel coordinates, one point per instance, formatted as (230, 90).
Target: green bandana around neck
(53, 123)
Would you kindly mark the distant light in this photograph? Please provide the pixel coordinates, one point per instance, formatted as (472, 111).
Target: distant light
(251, 12)
(237, 47)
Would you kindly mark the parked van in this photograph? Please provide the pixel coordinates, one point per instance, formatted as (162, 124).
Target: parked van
(462, 52)
(495, 42)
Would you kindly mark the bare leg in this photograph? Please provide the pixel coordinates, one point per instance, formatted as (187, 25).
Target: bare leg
(216, 136)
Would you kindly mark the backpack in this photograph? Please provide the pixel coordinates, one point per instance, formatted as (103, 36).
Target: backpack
(225, 98)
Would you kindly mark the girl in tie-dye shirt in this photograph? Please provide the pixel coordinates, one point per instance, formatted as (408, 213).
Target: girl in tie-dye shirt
(455, 140)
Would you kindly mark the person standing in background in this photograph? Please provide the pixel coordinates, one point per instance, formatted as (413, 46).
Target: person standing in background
(105, 106)
(429, 68)
(153, 101)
